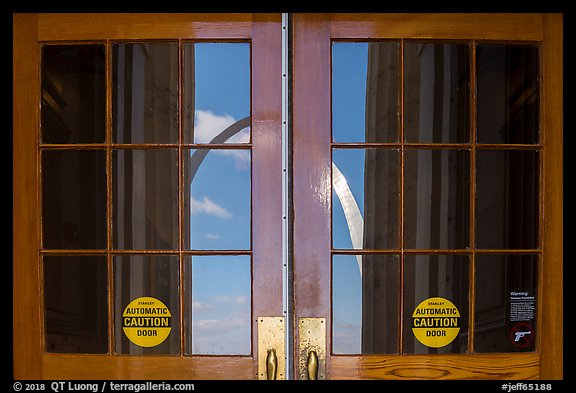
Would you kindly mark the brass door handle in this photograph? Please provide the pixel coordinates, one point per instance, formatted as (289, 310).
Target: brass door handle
(312, 365)
(271, 364)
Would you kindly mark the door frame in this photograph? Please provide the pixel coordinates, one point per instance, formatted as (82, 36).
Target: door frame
(311, 127)
(313, 34)
(263, 31)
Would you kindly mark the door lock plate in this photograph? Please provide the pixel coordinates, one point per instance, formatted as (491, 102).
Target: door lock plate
(311, 337)
(271, 335)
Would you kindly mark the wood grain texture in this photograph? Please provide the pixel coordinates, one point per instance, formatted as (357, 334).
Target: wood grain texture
(58, 367)
(485, 26)
(551, 310)
(26, 284)
(266, 168)
(69, 27)
(414, 367)
(311, 171)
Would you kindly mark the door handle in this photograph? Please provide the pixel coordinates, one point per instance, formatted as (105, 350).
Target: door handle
(312, 365)
(271, 364)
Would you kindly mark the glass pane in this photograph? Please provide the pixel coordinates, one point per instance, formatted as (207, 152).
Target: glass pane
(75, 304)
(217, 92)
(218, 305)
(145, 199)
(365, 94)
(365, 291)
(436, 199)
(365, 198)
(156, 279)
(73, 94)
(435, 276)
(145, 93)
(506, 296)
(507, 199)
(436, 93)
(507, 93)
(217, 199)
(74, 199)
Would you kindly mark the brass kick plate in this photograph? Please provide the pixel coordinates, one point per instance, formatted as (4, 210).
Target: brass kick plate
(271, 335)
(311, 337)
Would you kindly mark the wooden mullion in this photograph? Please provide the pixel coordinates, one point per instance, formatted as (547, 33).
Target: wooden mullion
(472, 220)
(181, 283)
(401, 200)
(109, 184)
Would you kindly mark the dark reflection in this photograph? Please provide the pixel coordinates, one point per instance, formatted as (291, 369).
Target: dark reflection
(436, 204)
(507, 199)
(365, 198)
(145, 93)
(155, 276)
(217, 204)
(507, 89)
(75, 304)
(145, 199)
(365, 91)
(74, 199)
(436, 93)
(427, 276)
(216, 92)
(218, 305)
(506, 303)
(365, 291)
(73, 94)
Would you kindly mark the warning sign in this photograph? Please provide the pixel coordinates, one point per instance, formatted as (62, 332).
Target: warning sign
(522, 306)
(436, 322)
(146, 321)
(522, 335)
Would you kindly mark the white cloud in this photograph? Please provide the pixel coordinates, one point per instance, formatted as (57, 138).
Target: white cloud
(207, 206)
(212, 236)
(218, 326)
(208, 125)
(196, 306)
(232, 299)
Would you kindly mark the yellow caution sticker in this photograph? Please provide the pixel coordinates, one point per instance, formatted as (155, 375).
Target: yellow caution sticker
(436, 322)
(146, 321)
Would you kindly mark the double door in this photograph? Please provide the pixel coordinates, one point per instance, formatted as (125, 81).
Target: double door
(244, 196)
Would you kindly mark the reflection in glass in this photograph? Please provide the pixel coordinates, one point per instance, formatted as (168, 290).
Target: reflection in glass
(508, 99)
(74, 199)
(365, 198)
(75, 304)
(145, 195)
(506, 302)
(147, 276)
(145, 92)
(73, 94)
(507, 199)
(436, 200)
(365, 292)
(436, 93)
(427, 276)
(216, 92)
(217, 199)
(365, 94)
(218, 303)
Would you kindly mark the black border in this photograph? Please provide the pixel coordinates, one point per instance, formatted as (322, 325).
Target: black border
(6, 88)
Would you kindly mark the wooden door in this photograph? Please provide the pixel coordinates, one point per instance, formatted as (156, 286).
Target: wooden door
(427, 182)
(116, 118)
(364, 257)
